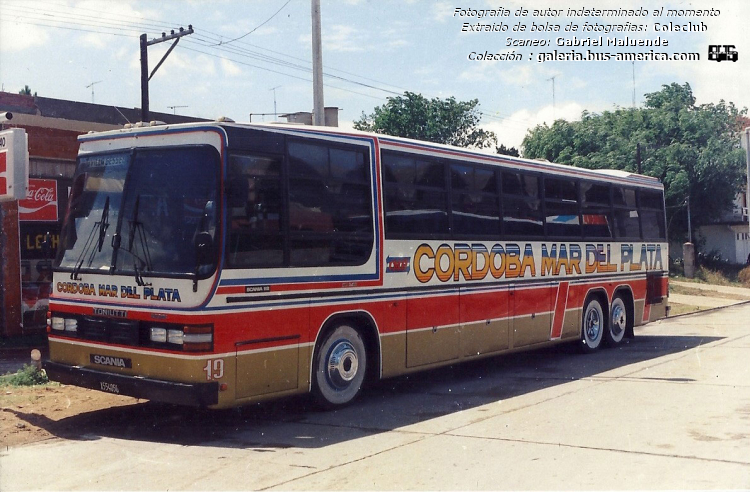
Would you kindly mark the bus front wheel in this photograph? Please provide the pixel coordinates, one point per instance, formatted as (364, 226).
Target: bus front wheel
(592, 326)
(340, 364)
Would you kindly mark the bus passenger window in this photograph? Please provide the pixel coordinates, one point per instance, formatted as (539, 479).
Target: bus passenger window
(561, 202)
(254, 236)
(652, 215)
(330, 205)
(627, 222)
(415, 197)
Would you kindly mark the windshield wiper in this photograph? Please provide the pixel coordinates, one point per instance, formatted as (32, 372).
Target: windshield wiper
(135, 228)
(100, 230)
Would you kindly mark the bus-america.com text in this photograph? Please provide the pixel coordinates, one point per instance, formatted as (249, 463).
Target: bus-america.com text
(589, 55)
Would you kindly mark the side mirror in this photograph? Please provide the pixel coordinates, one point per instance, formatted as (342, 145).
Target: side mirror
(237, 191)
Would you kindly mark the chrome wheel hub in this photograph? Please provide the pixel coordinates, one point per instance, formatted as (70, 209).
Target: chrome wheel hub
(619, 320)
(343, 364)
(593, 324)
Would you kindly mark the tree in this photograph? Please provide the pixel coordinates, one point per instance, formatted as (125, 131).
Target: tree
(693, 149)
(445, 121)
(26, 91)
(511, 151)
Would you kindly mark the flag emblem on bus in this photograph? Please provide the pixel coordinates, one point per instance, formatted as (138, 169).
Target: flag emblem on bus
(398, 264)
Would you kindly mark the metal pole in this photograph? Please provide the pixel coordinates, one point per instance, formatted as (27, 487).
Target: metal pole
(690, 229)
(638, 158)
(144, 78)
(747, 158)
(317, 61)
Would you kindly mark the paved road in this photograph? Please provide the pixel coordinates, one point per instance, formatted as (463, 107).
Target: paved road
(669, 410)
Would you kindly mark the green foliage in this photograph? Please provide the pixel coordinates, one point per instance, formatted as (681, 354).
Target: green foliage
(445, 121)
(28, 375)
(693, 150)
(26, 91)
(511, 151)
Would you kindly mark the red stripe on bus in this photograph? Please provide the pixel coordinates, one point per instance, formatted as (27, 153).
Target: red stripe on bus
(558, 316)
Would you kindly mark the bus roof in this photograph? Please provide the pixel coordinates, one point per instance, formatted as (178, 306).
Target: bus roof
(399, 144)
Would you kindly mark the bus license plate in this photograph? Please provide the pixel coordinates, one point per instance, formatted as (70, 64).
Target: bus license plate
(109, 387)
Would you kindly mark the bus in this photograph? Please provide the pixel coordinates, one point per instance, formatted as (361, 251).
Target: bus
(217, 264)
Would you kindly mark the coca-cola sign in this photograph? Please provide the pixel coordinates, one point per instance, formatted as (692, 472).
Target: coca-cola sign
(40, 203)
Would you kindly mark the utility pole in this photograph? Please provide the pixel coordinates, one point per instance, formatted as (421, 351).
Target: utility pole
(638, 158)
(633, 84)
(745, 142)
(275, 115)
(145, 77)
(553, 97)
(92, 89)
(319, 118)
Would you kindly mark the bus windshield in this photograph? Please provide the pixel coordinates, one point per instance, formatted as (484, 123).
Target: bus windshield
(142, 212)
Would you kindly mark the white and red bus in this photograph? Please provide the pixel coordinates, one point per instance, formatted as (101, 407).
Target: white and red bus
(218, 264)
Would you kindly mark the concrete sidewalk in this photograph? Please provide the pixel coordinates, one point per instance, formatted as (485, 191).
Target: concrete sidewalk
(667, 410)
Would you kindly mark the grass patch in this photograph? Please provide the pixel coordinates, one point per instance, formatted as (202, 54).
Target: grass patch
(28, 375)
(704, 275)
(676, 309)
(679, 289)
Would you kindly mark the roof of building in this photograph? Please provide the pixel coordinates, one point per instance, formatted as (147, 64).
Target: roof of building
(82, 111)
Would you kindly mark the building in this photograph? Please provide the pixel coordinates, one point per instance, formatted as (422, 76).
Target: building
(729, 237)
(52, 126)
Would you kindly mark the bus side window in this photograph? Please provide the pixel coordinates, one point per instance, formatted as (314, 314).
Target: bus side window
(627, 221)
(652, 215)
(415, 197)
(255, 238)
(596, 210)
(561, 204)
(330, 205)
(522, 210)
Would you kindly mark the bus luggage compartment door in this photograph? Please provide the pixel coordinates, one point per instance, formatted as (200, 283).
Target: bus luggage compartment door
(484, 321)
(432, 329)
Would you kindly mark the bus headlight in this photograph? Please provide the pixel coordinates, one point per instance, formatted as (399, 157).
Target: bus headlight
(186, 337)
(71, 324)
(57, 323)
(158, 335)
(175, 336)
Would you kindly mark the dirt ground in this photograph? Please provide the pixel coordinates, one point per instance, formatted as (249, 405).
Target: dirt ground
(35, 413)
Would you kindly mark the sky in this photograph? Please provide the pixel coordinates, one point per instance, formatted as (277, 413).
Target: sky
(250, 56)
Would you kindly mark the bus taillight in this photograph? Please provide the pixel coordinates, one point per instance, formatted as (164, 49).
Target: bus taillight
(197, 338)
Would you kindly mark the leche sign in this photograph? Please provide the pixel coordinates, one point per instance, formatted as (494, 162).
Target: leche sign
(14, 164)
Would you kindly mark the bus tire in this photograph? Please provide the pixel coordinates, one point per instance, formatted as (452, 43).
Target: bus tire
(340, 366)
(618, 323)
(592, 326)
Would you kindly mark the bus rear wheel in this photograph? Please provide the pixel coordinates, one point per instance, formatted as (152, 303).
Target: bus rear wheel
(618, 323)
(593, 326)
(340, 364)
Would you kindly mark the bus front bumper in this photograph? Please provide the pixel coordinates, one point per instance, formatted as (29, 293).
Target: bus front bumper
(193, 394)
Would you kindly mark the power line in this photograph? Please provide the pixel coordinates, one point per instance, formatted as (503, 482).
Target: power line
(257, 27)
(205, 42)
